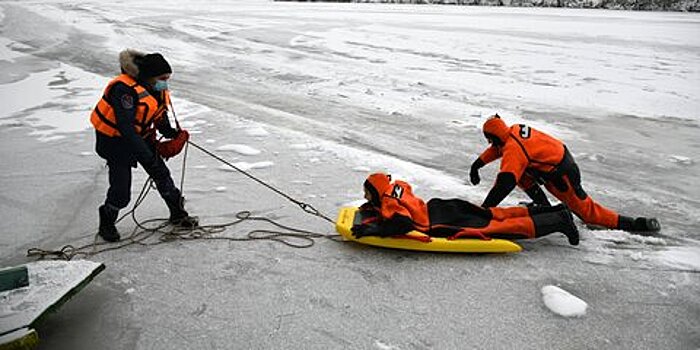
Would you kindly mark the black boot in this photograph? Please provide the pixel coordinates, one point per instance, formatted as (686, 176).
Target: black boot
(640, 225)
(555, 219)
(108, 216)
(178, 214)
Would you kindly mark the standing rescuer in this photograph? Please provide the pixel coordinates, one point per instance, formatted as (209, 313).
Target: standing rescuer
(132, 107)
(529, 157)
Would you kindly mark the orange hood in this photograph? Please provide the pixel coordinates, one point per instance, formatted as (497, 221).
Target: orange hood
(497, 127)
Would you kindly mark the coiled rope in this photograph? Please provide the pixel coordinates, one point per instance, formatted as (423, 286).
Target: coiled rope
(158, 231)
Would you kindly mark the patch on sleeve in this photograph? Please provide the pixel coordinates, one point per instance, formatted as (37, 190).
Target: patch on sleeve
(127, 101)
(397, 192)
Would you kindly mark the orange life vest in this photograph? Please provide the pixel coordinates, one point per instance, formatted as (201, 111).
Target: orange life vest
(148, 110)
(399, 199)
(526, 148)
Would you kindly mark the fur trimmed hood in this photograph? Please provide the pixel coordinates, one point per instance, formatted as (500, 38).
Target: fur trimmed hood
(127, 62)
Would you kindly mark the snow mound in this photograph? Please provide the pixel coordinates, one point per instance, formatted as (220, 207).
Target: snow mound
(562, 302)
(240, 149)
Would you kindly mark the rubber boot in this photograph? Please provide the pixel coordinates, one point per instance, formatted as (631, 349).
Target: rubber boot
(555, 219)
(108, 216)
(178, 214)
(639, 225)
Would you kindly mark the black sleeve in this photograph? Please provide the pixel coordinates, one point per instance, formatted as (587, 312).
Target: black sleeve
(396, 225)
(123, 100)
(478, 164)
(164, 127)
(505, 183)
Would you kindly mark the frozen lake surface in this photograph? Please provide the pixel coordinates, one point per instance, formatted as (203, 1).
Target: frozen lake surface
(313, 97)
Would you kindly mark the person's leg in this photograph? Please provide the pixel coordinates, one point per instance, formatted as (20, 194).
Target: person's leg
(502, 213)
(566, 186)
(170, 194)
(585, 208)
(537, 222)
(529, 185)
(514, 227)
(118, 197)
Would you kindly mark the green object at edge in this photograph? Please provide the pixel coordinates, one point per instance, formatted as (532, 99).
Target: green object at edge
(13, 278)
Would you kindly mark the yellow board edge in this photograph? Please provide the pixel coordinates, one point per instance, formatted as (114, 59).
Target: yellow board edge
(22, 339)
(346, 217)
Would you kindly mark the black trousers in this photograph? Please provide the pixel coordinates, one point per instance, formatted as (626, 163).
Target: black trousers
(119, 192)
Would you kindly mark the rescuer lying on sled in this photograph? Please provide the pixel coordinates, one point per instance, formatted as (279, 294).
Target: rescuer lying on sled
(400, 211)
(528, 157)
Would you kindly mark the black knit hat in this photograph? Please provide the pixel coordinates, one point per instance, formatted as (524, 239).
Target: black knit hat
(152, 65)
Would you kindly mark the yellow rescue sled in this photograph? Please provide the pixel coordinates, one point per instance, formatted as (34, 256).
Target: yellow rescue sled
(349, 216)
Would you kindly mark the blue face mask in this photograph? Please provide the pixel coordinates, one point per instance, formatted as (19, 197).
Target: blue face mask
(160, 85)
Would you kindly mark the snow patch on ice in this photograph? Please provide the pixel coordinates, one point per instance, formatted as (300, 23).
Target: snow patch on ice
(58, 99)
(302, 182)
(209, 141)
(412, 173)
(6, 53)
(617, 236)
(247, 166)
(595, 157)
(384, 346)
(192, 123)
(680, 160)
(304, 146)
(240, 149)
(257, 131)
(220, 189)
(361, 169)
(680, 257)
(562, 302)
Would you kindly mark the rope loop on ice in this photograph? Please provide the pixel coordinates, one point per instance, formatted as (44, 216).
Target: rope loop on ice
(158, 231)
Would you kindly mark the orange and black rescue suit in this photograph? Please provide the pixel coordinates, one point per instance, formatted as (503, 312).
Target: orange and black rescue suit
(529, 157)
(400, 211)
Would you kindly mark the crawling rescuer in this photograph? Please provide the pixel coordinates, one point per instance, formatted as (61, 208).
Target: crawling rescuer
(530, 157)
(132, 107)
(399, 211)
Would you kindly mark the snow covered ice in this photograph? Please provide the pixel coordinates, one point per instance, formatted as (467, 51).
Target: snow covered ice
(312, 97)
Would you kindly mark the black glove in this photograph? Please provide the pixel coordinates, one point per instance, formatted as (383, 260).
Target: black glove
(474, 172)
(360, 231)
(474, 176)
